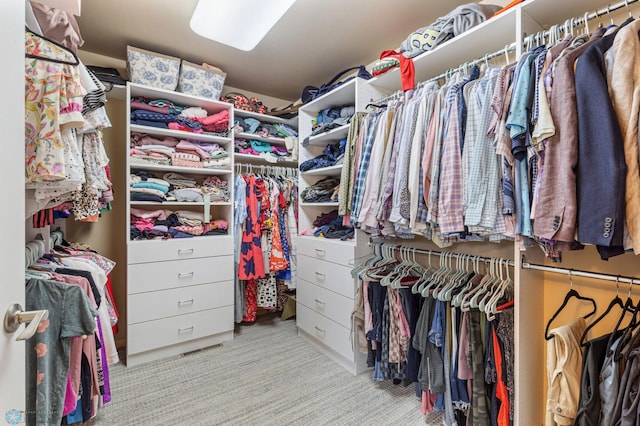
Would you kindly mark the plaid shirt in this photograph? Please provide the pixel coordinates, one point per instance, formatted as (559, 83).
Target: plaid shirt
(384, 203)
(363, 166)
(346, 176)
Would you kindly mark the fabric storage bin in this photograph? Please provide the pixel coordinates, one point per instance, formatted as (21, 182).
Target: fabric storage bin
(198, 80)
(152, 69)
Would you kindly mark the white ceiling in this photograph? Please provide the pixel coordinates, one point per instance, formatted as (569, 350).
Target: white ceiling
(312, 42)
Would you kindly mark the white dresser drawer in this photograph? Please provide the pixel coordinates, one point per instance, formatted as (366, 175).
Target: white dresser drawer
(143, 277)
(332, 305)
(329, 333)
(178, 301)
(336, 251)
(336, 278)
(170, 331)
(179, 248)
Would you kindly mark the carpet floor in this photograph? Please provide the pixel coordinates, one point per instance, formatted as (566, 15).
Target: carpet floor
(267, 375)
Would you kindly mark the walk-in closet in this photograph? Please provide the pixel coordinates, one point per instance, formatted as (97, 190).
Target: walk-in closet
(374, 213)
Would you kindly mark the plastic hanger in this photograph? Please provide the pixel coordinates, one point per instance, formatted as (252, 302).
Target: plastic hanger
(433, 280)
(572, 293)
(458, 298)
(628, 332)
(426, 274)
(73, 61)
(616, 301)
(465, 304)
(412, 270)
(505, 289)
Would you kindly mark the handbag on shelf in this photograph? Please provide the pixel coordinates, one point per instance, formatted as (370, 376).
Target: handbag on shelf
(245, 103)
(310, 93)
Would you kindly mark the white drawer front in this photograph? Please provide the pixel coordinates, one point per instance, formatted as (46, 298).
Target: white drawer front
(178, 301)
(143, 277)
(170, 331)
(179, 248)
(329, 333)
(336, 251)
(328, 275)
(325, 302)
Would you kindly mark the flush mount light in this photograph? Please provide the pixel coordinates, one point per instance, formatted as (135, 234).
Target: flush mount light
(237, 23)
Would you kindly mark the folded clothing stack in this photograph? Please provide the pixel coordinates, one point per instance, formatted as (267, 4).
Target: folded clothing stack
(257, 127)
(165, 114)
(330, 118)
(145, 186)
(164, 224)
(332, 155)
(323, 191)
(330, 225)
(171, 151)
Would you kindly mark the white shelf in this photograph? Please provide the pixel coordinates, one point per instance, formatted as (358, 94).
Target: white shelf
(179, 134)
(255, 159)
(265, 118)
(253, 136)
(329, 204)
(332, 135)
(193, 170)
(211, 105)
(342, 96)
(324, 171)
(175, 203)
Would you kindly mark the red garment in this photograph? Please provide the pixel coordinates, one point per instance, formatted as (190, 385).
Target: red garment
(407, 70)
(502, 393)
(251, 301)
(251, 264)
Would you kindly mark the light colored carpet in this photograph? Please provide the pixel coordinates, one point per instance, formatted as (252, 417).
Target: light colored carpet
(267, 375)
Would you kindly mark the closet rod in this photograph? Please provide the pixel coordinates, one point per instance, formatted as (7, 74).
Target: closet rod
(578, 21)
(579, 273)
(447, 253)
(504, 51)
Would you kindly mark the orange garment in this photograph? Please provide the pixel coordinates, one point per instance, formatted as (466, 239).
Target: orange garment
(502, 393)
(509, 6)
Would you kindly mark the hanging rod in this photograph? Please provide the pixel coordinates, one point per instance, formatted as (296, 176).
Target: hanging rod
(445, 253)
(579, 273)
(582, 20)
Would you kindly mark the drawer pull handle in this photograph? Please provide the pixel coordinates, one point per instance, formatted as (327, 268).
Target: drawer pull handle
(319, 329)
(320, 302)
(185, 274)
(185, 302)
(320, 275)
(185, 251)
(185, 330)
(320, 252)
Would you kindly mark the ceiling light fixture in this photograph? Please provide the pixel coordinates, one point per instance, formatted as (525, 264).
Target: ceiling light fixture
(237, 23)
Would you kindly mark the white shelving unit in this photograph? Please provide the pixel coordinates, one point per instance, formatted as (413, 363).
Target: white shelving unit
(326, 290)
(179, 291)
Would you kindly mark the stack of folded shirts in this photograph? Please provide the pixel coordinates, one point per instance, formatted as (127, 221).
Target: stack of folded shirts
(217, 189)
(144, 187)
(165, 114)
(162, 224)
(138, 156)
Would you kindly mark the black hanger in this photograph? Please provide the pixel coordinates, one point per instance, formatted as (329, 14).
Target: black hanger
(571, 293)
(616, 301)
(75, 61)
(371, 104)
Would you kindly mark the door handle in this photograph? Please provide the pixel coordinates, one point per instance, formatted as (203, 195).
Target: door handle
(16, 316)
